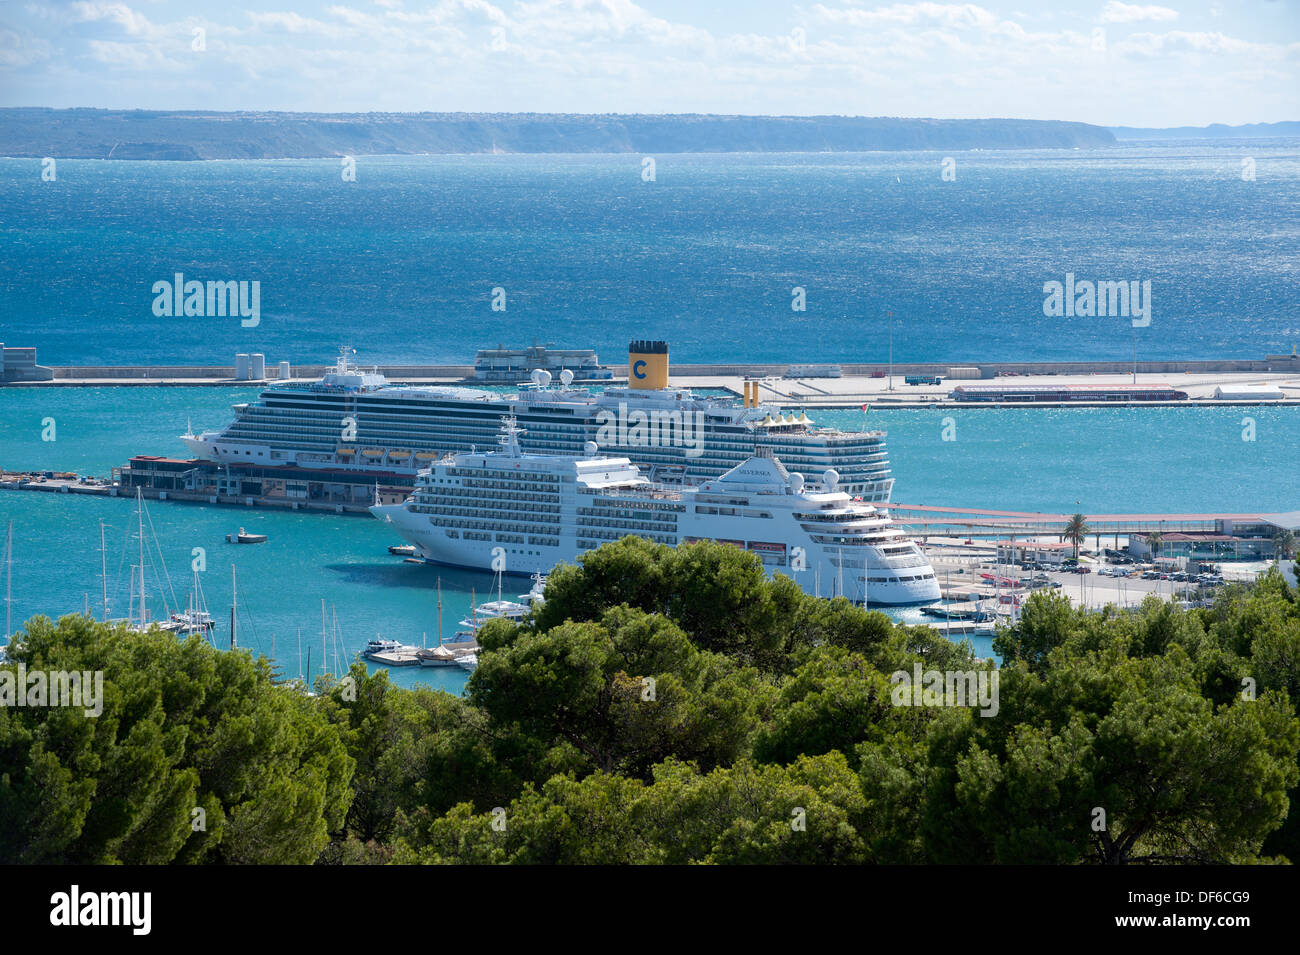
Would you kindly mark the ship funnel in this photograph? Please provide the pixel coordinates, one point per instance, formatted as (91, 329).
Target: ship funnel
(647, 365)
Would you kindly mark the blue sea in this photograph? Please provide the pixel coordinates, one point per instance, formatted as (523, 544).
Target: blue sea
(402, 262)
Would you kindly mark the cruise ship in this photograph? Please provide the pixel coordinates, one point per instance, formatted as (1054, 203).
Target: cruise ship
(517, 512)
(355, 429)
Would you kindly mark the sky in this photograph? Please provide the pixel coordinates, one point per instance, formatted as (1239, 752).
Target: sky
(1101, 61)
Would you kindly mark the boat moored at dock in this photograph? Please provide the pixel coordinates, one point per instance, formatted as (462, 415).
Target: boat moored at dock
(523, 513)
(337, 438)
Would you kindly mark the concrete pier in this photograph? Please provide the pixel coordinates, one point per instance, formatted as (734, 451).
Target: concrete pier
(877, 384)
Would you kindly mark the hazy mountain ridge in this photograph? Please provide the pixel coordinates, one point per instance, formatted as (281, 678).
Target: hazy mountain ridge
(182, 135)
(1213, 131)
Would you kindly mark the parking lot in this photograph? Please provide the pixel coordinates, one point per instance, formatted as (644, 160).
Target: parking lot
(1125, 585)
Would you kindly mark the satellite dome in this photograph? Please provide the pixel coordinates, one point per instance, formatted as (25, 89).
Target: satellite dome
(796, 482)
(589, 449)
(830, 477)
(543, 377)
(566, 377)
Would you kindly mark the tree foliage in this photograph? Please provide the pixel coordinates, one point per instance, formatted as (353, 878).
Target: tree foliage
(675, 705)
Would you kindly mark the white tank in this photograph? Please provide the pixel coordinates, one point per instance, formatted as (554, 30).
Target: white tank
(284, 370)
(257, 366)
(241, 367)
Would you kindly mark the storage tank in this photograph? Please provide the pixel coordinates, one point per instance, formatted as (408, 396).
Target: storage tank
(257, 366)
(241, 367)
(284, 370)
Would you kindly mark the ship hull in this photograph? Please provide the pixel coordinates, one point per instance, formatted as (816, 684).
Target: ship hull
(819, 577)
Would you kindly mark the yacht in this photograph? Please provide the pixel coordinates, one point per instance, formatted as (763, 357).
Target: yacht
(381, 645)
(521, 512)
(341, 436)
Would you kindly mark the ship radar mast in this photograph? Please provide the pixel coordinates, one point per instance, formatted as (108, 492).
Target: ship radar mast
(344, 360)
(510, 432)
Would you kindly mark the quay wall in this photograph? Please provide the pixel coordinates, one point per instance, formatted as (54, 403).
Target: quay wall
(1270, 363)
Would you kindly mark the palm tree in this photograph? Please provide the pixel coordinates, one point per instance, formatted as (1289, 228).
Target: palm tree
(1283, 544)
(1076, 532)
(1153, 543)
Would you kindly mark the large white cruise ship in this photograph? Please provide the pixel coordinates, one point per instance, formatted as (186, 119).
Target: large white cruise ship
(522, 513)
(354, 428)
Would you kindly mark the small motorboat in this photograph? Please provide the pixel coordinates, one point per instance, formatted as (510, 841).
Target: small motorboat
(467, 661)
(243, 537)
(402, 550)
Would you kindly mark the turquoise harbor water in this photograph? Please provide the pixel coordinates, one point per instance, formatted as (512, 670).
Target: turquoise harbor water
(402, 262)
(1121, 460)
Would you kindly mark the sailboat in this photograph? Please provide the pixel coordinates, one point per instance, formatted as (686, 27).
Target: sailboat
(137, 619)
(439, 656)
(195, 617)
(509, 609)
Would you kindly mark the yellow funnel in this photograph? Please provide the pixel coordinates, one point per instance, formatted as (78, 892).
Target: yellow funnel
(647, 365)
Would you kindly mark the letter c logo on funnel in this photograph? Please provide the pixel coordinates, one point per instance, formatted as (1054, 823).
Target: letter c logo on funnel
(638, 368)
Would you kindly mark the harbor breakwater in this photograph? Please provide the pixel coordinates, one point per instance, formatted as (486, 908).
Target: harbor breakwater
(1283, 364)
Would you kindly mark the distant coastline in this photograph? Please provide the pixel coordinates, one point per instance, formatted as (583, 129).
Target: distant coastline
(1213, 131)
(199, 135)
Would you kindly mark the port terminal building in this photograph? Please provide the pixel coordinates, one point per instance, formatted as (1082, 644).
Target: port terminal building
(19, 364)
(198, 479)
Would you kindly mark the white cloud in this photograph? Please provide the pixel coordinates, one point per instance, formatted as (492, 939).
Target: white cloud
(854, 56)
(1116, 12)
(956, 15)
(135, 24)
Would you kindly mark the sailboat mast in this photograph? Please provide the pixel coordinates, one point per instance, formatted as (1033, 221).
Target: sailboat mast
(335, 637)
(234, 603)
(9, 581)
(139, 496)
(439, 611)
(103, 571)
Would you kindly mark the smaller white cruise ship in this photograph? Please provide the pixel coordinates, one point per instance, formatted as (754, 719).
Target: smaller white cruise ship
(523, 513)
